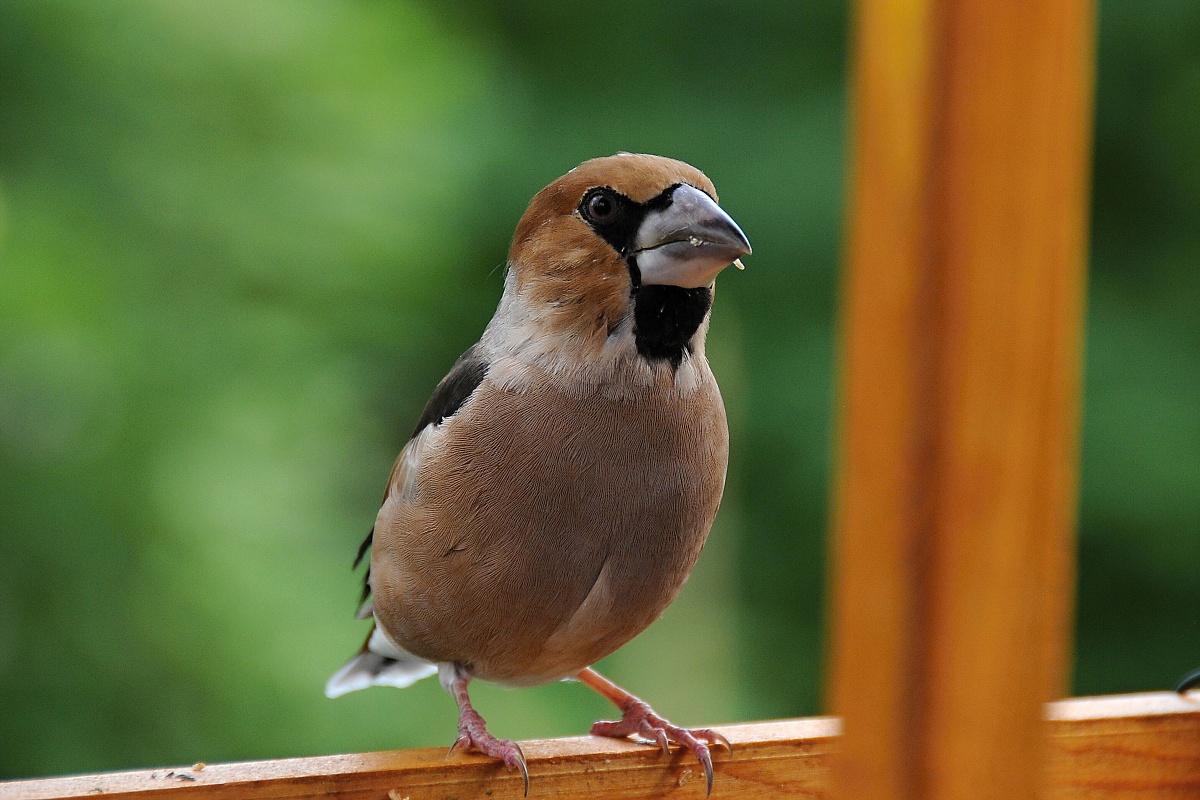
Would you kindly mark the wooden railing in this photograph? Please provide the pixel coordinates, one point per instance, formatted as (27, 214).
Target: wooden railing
(1144, 746)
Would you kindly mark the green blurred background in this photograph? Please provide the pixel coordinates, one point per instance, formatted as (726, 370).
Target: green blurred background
(240, 243)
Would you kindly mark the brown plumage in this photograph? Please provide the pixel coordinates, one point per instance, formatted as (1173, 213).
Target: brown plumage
(558, 532)
(566, 473)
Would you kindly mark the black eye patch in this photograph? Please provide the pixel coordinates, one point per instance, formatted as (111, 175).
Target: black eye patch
(613, 216)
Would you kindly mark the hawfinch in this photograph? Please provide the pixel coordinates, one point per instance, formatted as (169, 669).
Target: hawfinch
(563, 477)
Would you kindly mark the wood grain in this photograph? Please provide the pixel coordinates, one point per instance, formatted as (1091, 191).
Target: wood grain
(771, 760)
(1145, 746)
(1124, 746)
(953, 552)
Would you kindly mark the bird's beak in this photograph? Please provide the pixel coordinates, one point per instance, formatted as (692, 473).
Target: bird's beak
(688, 242)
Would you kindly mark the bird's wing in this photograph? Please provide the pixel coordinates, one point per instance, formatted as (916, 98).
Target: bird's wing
(454, 389)
(449, 395)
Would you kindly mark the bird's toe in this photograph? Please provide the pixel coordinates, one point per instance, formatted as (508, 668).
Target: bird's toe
(471, 739)
(640, 720)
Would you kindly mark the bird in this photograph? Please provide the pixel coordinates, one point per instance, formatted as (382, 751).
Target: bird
(562, 479)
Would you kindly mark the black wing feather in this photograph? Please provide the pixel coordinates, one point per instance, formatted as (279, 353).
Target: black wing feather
(454, 389)
(451, 392)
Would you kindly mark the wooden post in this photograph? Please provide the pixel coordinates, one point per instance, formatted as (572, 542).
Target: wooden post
(955, 499)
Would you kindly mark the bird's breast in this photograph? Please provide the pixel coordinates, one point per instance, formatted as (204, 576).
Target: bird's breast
(548, 527)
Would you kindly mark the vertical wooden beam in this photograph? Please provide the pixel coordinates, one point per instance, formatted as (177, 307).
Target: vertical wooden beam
(954, 513)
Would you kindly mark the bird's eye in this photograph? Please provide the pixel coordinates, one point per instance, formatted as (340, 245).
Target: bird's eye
(600, 207)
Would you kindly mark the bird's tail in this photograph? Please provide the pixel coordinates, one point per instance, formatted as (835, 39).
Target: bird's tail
(379, 663)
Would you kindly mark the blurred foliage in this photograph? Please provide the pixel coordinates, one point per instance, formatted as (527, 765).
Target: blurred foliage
(1139, 568)
(240, 243)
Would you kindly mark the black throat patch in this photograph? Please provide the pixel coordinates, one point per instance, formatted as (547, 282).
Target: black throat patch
(665, 318)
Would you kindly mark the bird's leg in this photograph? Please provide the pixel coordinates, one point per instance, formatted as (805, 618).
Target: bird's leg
(638, 719)
(472, 730)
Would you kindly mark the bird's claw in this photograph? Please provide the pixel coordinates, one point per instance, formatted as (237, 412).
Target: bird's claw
(506, 750)
(716, 738)
(640, 720)
(658, 735)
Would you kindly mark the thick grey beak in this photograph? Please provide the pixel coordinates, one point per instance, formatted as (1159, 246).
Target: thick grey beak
(688, 242)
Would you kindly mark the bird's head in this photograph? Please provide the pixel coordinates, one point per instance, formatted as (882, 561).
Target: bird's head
(628, 243)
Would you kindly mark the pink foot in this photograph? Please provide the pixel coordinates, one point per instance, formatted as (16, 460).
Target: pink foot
(640, 720)
(473, 733)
